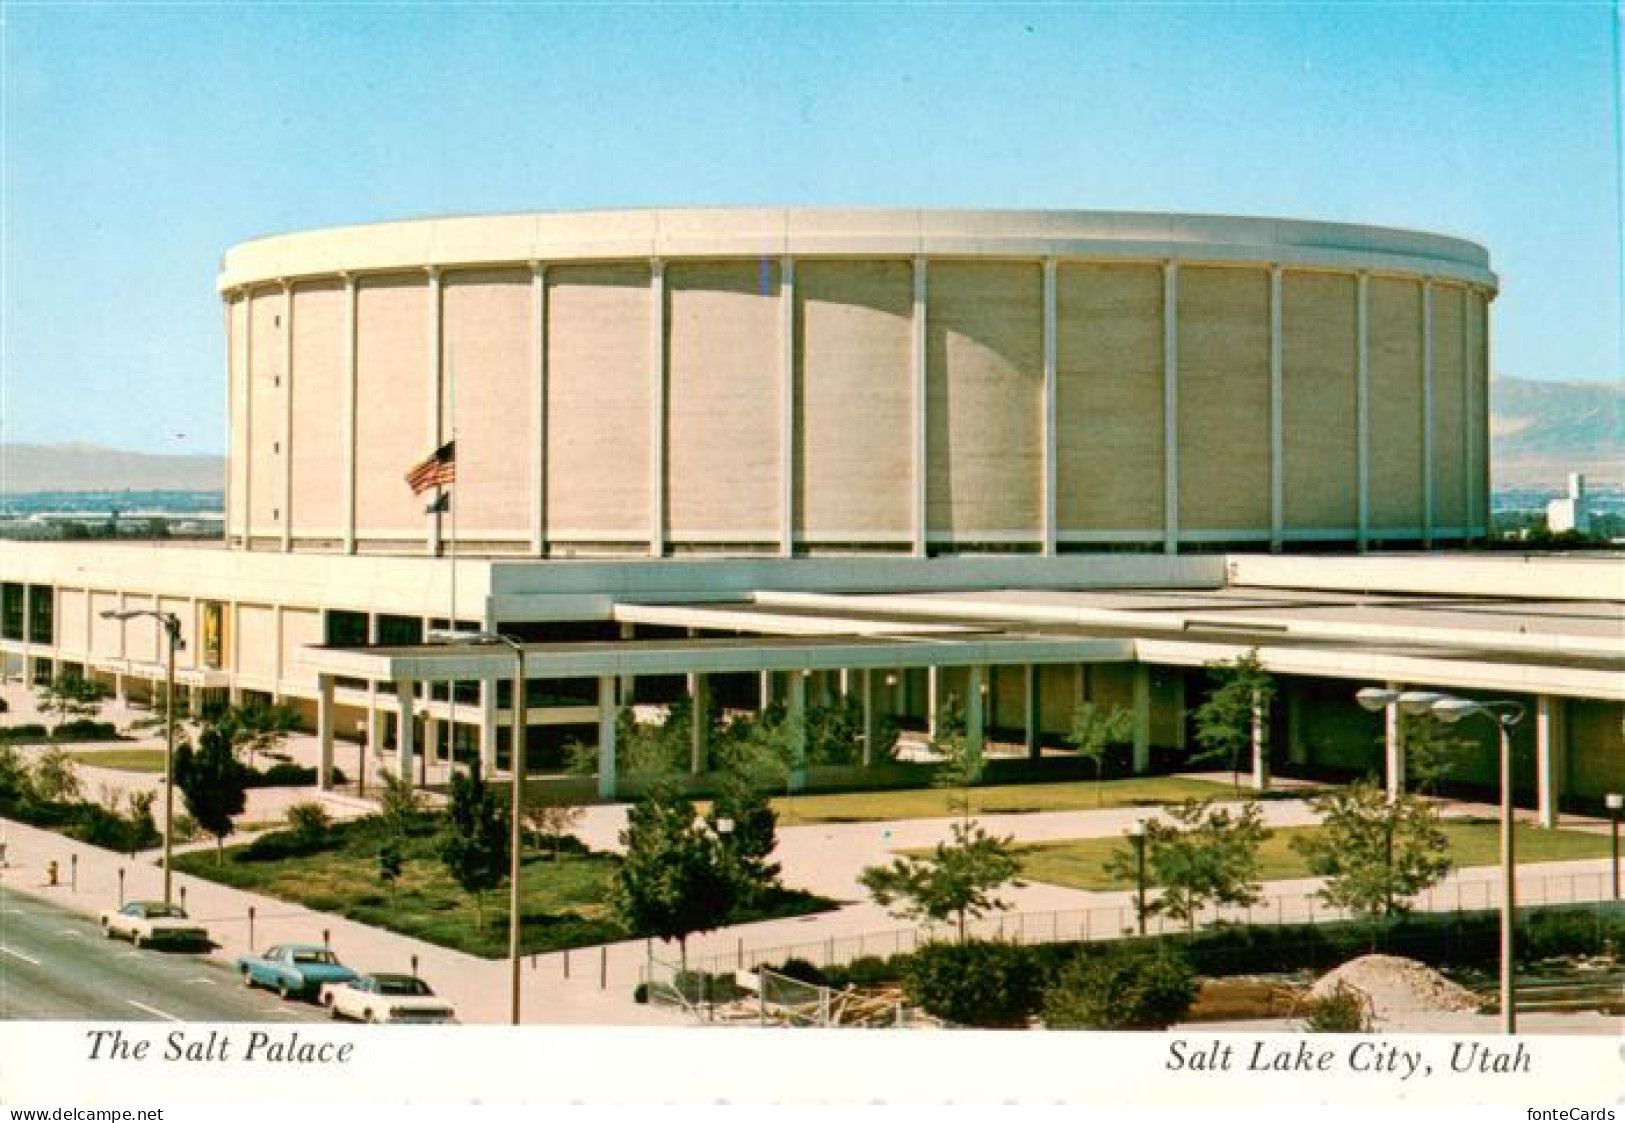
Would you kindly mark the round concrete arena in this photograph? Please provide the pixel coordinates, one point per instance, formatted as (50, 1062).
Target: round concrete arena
(823, 381)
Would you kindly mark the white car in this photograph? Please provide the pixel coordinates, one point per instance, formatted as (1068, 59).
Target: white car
(400, 999)
(153, 922)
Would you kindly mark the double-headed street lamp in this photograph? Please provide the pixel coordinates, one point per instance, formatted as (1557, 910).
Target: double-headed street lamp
(1614, 801)
(1505, 714)
(172, 629)
(519, 707)
(1137, 834)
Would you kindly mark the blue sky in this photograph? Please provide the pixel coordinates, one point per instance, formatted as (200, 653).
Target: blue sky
(142, 140)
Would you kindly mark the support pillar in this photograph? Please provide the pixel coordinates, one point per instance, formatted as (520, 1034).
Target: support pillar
(1261, 748)
(405, 732)
(1296, 748)
(606, 736)
(1030, 711)
(698, 727)
(764, 690)
(324, 730)
(1393, 741)
(975, 724)
(1142, 719)
(870, 728)
(933, 693)
(1550, 741)
(194, 702)
(628, 632)
(488, 727)
(796, 715)
(121, 691)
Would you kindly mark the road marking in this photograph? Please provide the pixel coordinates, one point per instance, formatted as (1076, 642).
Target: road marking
(152, 1010)
(286, 1013)
(21, 956)
(71, 932)
(199, 980)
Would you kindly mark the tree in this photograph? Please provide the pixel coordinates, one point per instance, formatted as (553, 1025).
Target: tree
(675, 879)
(1240, 698)
(399, 803)
(71, 695)
(260, 729)
(550, 820)
(1375, 854)
(1094, 729)
(213, 783)
(1118, 987)
(958, 879)
(475, 843)
(56, 776)
(962, 762)
(1431, 752)
(752, 836)
(1207, 856)
(390, 865)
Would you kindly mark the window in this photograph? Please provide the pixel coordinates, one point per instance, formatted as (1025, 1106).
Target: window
(11, 610)
(41, 614)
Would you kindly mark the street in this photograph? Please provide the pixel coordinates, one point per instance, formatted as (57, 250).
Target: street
(55, 964)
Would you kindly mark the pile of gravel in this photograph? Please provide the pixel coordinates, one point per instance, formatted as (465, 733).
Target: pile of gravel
(1396, 987)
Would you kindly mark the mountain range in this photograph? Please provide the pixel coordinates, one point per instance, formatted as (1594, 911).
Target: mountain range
(1539, 432)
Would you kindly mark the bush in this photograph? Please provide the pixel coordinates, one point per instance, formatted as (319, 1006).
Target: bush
(32, 731)
(56, 777)
(975, 983)
(868, 971)
(802, 971)
(1547, 935)
(1116, 987)
(96, 825)
(1344, 1010)
(285, 775)
(83, 729)
(309, 823)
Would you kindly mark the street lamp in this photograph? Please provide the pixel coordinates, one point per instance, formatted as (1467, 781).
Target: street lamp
(1136, 834)
(1505, 714)
(172, 630)
(1614, 801)
(517, 761)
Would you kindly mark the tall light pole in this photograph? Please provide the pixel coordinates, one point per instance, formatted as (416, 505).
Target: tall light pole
(172, 630)
(519, 707)
(1137, 834)
(1614, 802)
(1506, 715)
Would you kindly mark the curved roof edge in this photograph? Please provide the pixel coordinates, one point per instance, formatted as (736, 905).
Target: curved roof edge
(844, 232)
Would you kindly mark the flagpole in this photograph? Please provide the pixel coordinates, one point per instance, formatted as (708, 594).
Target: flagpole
(451, 622)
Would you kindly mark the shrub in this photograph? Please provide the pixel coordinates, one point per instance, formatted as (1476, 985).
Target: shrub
(309, 823)
(975, 983)
(83, 729)
(640, 994)
(1344, 1010)
(31, 731)
(1547, 935)
(56, 778)
(802, 971)
(868, 971)
(1121, 988)
(96, 825)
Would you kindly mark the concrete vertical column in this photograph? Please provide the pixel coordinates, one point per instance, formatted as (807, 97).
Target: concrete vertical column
(657, 408)
(628, 632)
(1142, 719)
(350, 405)
(1469, 504)
(232, 448)
(538, 375)
(1277, 415)
(249, 451)
(1049, 545)
(698, 728)
(975, 710)
(796, 717)
(1170, 407)
(606, 736)
(922, 395)
(1030, 710)
(194, 701)
(1260, 742)
(1427, 414)
(1393, 741)
(870, 727)
(1550, 742)
(1362, 408)
(843, 682)
(434, 380)
(488, 727)
(405, 733)
(764, 690)
(933, 699)
(121, 693)
(324, 730)
(1180, 726)
(787, 407)
(1297, 749)
(287, 416)
(431, 735)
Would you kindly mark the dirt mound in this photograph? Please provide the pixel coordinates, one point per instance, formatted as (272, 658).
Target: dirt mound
(1396, 986)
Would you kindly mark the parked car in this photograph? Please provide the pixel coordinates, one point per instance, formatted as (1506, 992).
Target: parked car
(294, 970)
(403, 999)
(153, 922)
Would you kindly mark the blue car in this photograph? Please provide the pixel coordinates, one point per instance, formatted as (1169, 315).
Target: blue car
(294, 970)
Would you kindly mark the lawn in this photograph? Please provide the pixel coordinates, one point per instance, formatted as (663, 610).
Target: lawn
(123, 760)
(1080, 863)
(935, 803)
(564, 897)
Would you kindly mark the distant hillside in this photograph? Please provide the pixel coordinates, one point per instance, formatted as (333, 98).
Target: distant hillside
(1540, 431)
(82, 467)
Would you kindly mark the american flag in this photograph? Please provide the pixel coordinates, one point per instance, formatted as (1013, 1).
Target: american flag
(438, 470)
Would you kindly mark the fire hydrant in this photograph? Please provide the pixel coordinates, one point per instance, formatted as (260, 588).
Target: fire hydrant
(51, 872)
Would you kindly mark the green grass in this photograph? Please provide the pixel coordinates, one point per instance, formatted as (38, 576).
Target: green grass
(995, 799)
(123, 760)
(1080, 863)
(564, 899)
